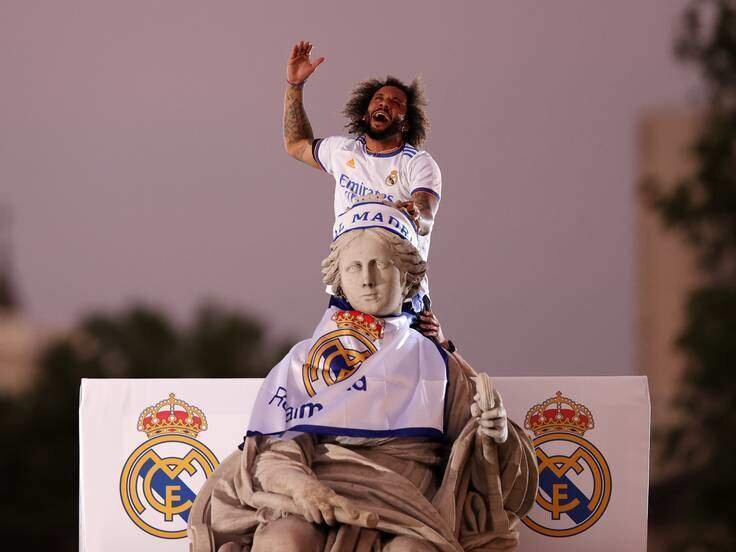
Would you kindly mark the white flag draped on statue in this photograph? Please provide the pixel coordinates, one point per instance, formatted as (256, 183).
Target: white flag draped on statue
(147, 446)
(357, 376)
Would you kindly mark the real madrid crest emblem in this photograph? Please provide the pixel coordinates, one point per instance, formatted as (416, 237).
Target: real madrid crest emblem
(574, 477)
(161, 478)
(337, 355)
(392, 178)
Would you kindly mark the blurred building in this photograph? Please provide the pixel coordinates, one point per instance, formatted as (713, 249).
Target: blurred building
(666, 271)
(20, 343)
(666, 267)
(20, 339)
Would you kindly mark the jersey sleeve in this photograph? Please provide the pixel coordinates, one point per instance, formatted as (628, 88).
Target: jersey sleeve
(323, 150)
(424, 175)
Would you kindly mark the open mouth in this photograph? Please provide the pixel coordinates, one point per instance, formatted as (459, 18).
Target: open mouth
(380, 116)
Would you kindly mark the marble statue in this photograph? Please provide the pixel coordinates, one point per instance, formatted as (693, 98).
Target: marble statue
(370, 436)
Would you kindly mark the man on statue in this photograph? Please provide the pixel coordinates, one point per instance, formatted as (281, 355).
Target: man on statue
(388, 125)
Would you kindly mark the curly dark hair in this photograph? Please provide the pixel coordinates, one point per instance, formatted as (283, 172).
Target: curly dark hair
(416, 115)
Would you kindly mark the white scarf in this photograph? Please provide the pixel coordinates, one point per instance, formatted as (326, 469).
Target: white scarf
(357, 376)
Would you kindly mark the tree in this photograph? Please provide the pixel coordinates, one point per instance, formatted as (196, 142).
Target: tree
(41, 463)
(8, 299)
(8, 295)
(702, 209)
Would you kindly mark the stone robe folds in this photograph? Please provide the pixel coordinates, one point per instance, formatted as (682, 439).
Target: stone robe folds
(469, 497)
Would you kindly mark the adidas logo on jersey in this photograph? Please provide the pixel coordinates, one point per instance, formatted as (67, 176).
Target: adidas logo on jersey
(351, 163)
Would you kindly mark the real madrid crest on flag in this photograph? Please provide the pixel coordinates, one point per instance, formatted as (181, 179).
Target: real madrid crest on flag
(161, 477)
(338, 354)
(574, 477)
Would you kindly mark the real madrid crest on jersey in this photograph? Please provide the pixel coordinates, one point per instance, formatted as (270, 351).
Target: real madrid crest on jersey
(392, 178)
(574, 477)
(161, 478)
(337, 355)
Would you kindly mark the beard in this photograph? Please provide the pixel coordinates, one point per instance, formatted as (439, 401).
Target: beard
(391, 130)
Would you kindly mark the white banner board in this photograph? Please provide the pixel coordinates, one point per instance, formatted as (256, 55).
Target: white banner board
(147, 446)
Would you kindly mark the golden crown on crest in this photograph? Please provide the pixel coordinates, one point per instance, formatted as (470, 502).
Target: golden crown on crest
(364, 323)
(558, 413)
(172, 415)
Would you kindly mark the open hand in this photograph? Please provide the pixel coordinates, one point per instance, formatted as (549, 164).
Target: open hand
(298, 68)
(492, 422)
(317, 502)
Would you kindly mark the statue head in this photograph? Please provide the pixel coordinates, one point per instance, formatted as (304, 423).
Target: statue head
(372, 263)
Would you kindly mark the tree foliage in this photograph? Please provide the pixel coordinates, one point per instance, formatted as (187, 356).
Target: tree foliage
(8, 298)
(703, 209)
(41, 463)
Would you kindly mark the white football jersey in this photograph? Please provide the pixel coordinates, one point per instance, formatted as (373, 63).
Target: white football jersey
(395, 175)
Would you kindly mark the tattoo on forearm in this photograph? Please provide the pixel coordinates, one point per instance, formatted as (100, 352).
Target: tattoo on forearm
(296, 123)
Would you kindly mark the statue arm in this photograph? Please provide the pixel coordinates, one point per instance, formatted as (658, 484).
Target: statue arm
(282, 463)
(459, 395)
(505, 472)
(504, 475)
(283, 467)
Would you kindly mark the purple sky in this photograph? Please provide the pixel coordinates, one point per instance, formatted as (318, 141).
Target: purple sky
(141, 155)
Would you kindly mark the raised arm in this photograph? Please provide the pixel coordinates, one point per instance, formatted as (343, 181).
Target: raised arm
(298, 135)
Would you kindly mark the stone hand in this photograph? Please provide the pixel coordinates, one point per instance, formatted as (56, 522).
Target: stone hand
(317, 503)
(299, 67)
(492, 422)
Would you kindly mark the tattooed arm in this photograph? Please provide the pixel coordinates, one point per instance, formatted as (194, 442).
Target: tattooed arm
(298, 135)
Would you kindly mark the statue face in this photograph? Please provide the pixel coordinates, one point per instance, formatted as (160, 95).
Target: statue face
(370, 280)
